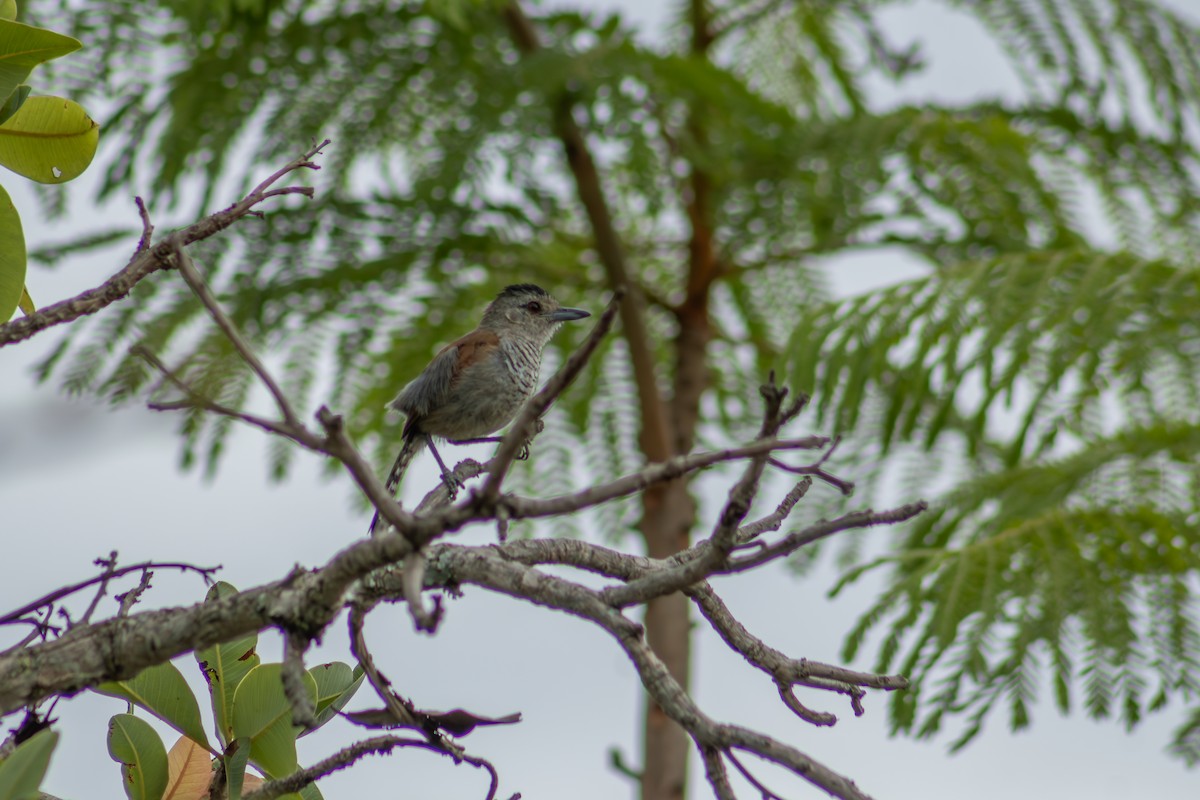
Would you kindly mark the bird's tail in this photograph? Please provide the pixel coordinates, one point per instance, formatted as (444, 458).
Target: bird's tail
(413, 441)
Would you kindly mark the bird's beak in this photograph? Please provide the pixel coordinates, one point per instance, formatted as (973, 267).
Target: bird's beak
(567, 314)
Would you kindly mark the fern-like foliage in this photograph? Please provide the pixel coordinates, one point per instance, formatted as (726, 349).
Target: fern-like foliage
(1068, 551)
(1047, 374)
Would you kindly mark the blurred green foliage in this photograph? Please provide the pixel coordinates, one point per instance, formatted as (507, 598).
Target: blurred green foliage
(1044, 373)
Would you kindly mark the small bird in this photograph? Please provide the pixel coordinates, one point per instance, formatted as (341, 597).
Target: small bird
(476, 385)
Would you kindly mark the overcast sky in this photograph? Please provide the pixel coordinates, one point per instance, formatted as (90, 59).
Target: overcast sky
(77, 481)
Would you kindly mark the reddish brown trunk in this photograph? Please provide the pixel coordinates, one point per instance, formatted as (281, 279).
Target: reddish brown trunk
(669, 512)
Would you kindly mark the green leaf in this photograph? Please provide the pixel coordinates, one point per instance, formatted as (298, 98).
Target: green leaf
(49, 140)
(336, 684)
(225, 665)
(262, 713)
(163, 692)
(236, 756)
(14, 102)
(26, 302)
(8, 9)
(12, 257)
(22, 772)
(23, 47)
(134, 745)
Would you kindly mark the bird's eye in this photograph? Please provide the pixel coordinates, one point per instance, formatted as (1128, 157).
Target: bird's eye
(534, 307)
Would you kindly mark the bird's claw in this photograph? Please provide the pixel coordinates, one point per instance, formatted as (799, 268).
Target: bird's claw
(453, 484)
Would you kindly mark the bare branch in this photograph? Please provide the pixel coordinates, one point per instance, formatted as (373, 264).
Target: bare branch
(651, 474)
(146, 261)
(110, 566)
(379, 745)
(766, 793)
(295, 645)
(401, 711)
(127, 599)
(196, 283)
(484, 567)
(794, 541)
(817, 470)
(66, 591)
(714, 770)
(187, 270)
(711, 555)
(147, 226)
(774, 520)
(413, 580)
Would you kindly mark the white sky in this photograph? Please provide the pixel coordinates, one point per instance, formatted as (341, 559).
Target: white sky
(77, 481)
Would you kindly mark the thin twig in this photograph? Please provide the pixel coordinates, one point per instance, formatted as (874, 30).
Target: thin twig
(400, 710)
(292, 674)
(110, 566)
(766, 793)
(196, 283)
(147, 227)
(127, 599)
(651, 474)
(714, 770)
(379, 745)
(817, 470)
(794, 541)
(146, 262)
(773, 521)
(16, 615)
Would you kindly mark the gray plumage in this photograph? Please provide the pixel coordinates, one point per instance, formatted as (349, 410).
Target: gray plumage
(477, 384)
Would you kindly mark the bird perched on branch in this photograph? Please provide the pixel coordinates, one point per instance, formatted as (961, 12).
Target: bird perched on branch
(476, 385)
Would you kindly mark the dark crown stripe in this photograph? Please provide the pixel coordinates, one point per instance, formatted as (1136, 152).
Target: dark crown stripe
(523, 288)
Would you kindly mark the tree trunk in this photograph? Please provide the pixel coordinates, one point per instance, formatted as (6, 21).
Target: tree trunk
(668, 511)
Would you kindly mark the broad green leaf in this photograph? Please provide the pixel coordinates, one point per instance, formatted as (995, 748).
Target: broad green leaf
(263, 714)
(237, 780)
(236, 757)
(336, 684)
(23, 47)
(8, 9)
(134, 745)
(49, 140)
(26, 302)
(12, 257)
(189, 771)
(225, 665)
(22, 772)
(14, 102)
(163, 692)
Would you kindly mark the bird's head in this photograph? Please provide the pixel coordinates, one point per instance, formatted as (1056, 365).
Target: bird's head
(528, 310)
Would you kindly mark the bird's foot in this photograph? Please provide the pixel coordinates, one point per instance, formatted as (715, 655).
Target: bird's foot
(453, 484)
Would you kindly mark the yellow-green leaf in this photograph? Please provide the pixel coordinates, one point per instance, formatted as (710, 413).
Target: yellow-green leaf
(22, 772)
(12, 257)
(49, 140)
(23, 47)
(336, 684)
(225, 665)
(163, 692)
(262, 713)
(134, 745)
(14, 101)
(8, 9)
(26, 302)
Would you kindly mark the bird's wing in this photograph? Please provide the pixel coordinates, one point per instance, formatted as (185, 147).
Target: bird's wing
(431, 389)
